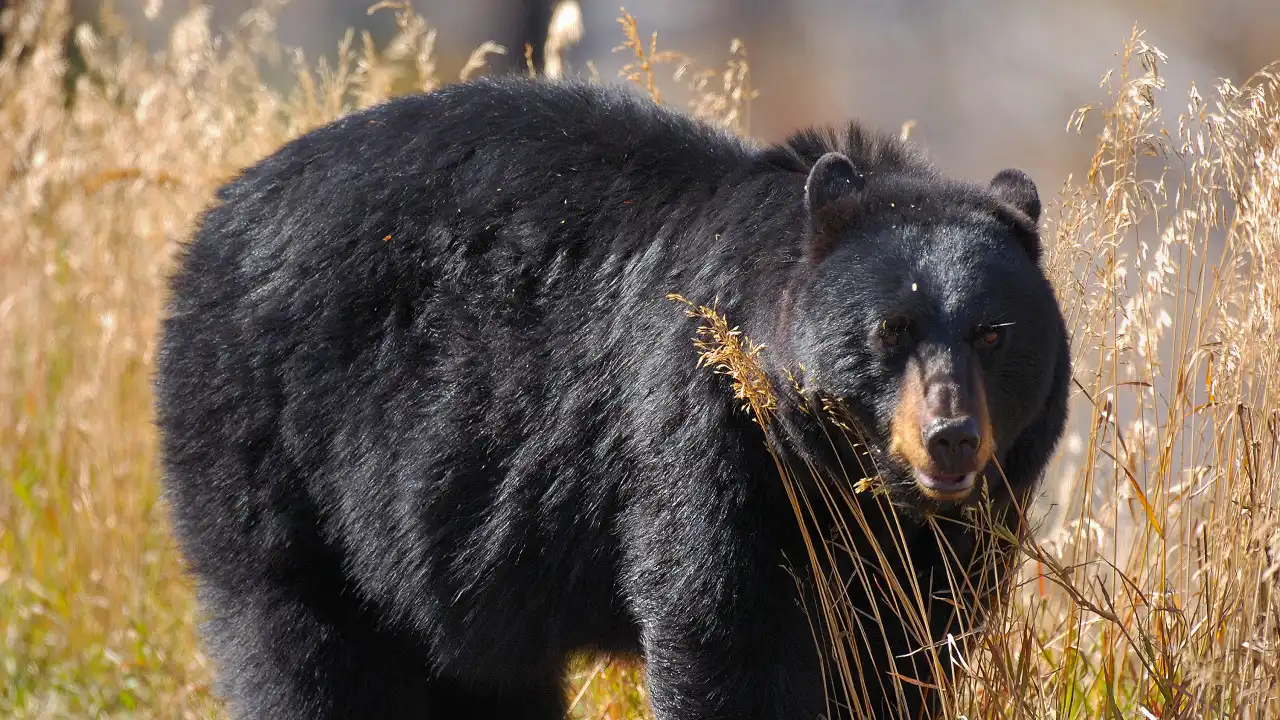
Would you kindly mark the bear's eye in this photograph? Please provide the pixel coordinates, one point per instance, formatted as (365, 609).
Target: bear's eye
(894, 331)
(989, 336)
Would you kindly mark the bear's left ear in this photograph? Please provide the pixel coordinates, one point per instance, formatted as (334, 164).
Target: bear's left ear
(1015, 188)
(832, 177)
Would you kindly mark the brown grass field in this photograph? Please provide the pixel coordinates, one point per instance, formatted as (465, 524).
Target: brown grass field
(1151, 587)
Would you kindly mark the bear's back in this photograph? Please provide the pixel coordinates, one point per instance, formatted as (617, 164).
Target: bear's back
(496, 141)
(427, 188)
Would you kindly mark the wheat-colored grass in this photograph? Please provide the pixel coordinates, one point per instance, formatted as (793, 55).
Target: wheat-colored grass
(1149, 591)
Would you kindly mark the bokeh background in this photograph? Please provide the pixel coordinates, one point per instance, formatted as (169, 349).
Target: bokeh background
(988, 83)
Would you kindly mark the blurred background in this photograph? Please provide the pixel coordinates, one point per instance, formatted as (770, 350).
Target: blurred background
(988, 83)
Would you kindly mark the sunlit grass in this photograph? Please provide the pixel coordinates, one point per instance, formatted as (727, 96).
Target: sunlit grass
(1150, 593)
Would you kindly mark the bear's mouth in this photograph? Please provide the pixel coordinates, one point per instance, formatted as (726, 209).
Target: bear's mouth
(945, 487)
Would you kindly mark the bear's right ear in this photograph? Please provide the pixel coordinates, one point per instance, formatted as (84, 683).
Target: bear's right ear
(832, 177)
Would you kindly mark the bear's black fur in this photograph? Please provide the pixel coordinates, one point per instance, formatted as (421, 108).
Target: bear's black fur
(430, 424)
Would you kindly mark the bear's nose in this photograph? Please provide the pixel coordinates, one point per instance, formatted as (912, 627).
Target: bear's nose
(953, 443)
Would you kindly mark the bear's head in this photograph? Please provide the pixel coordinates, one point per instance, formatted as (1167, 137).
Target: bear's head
(922, 309)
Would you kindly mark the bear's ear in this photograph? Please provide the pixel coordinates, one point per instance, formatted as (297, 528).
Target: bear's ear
(1015, 188)
(831, 178)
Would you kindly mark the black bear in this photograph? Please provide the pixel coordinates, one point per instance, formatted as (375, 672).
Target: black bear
(431, 425)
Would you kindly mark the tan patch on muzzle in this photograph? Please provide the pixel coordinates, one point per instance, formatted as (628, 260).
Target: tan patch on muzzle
(907, 438)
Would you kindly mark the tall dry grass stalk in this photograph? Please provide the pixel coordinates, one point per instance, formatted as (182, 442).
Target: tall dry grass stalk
(1158, 596)
(1149, 592)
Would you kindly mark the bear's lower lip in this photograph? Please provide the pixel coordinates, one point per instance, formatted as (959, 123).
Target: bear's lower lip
(948, 486)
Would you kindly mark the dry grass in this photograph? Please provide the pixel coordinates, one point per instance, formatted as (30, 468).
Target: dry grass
(1150, 590)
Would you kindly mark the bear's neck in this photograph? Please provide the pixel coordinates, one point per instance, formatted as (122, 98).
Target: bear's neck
(755, 228)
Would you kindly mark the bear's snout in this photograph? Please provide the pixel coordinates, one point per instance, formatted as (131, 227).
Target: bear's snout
(940, 427)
